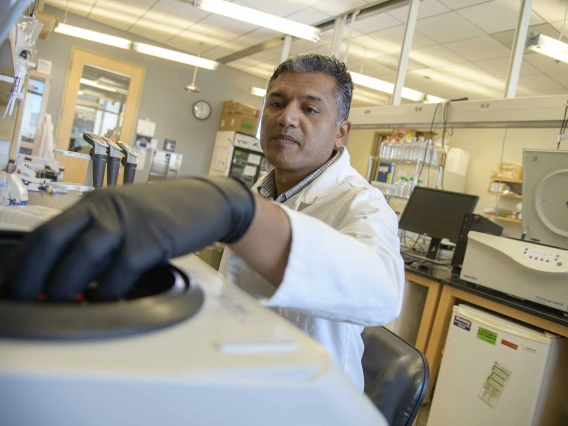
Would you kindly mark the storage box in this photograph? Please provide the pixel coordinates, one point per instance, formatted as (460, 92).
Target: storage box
(508, 171)
(237, 108)
(239, 123)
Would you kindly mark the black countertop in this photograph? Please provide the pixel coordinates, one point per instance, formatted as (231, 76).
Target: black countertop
(447, 277)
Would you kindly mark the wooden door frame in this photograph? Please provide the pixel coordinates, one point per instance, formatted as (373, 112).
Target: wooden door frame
(78, 57)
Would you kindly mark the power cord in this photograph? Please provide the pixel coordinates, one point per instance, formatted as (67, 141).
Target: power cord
(563, 127)
(428, 145)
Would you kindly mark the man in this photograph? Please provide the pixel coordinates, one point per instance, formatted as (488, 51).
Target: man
(325, 254)
(330, 284)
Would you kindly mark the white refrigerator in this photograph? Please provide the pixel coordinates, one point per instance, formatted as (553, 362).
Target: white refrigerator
(496, 372)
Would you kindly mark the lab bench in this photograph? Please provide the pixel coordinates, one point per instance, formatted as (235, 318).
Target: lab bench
(445, 290)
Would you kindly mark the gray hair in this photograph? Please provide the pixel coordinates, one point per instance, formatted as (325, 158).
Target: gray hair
(326, 65)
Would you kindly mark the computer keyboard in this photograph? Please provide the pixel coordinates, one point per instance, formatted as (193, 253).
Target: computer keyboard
(25, 218)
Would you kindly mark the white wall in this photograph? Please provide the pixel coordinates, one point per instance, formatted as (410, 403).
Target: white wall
(359, 146)
(163, 99)
(484, 147)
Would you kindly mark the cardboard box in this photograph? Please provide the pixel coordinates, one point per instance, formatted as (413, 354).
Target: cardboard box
(239, 123)
(237, 108)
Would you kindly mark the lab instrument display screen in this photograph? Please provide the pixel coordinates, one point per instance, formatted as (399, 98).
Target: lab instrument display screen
(437, 213)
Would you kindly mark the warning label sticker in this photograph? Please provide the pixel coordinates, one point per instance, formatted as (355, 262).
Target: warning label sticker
(486, 335)
(509, 344)
(462, 323)
(495, 384)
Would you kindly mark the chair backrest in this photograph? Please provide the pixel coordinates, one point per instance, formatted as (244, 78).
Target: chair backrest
(396, 375)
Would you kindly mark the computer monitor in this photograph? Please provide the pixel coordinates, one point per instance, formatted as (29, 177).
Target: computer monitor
(438, 214)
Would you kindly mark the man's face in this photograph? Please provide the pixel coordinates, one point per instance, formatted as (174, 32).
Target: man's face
(299, 130)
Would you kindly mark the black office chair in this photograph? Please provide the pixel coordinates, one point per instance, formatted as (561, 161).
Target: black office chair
(396, 375)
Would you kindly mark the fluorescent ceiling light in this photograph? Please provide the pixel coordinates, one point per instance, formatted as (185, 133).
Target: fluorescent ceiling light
(92, 83)
(385, 86)
(434, 99)
(93, 36)
(257, 91)
(173, 55)
(548, 46)
(262, 19)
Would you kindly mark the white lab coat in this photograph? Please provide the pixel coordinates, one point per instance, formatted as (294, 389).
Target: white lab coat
(344, 271)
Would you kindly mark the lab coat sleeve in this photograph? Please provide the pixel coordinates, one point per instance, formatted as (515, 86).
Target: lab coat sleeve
(353, 273)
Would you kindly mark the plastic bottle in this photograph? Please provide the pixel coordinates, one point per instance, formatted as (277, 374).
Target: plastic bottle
(401, 186)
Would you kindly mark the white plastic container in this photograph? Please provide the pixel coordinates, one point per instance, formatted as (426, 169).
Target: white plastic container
(457, 161)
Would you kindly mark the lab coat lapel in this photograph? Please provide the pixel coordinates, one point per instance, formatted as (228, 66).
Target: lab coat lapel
(326, 183)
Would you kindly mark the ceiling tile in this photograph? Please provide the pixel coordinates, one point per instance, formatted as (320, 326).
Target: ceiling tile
(375, 23)
(181, 9)
(270, 55)
(263, 70)
(534, 85)
(431, 75)
(367, 97)
(479, 48)
(210, 36)
(255, 37)
(393, 38)
(391, 61)
(460, 4)
(299, 46)
(436, 56)
(496, 16)
(558, 27)
(219, 52)
(243, 63)
(371, 68)
(191, 45)
(227, 25)
(549, 10)
(121, 21)
(367, 47)
(311, 2)
(553, 92)
(78, 7)
(308, 16)
(159, 26)
(506, 38)
(335, 8)
(500, 67)
(119, 14)
(545, 64)
(448, 27)
(465, 72)
(561, 78)
(274, 7)
(427, 8)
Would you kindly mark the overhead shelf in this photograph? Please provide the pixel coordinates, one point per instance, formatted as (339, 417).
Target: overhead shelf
(504, 219)
(505, 180)
(537, 112)
(500, 194)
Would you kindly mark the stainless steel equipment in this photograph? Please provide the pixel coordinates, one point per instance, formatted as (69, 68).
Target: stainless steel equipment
(159, 165)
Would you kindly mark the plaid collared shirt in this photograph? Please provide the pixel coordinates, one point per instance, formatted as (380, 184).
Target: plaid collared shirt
(268, 187)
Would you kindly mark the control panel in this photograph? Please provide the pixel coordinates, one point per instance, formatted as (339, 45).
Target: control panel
(530, 255)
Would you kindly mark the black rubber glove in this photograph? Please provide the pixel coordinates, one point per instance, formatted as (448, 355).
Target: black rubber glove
(114, 235)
